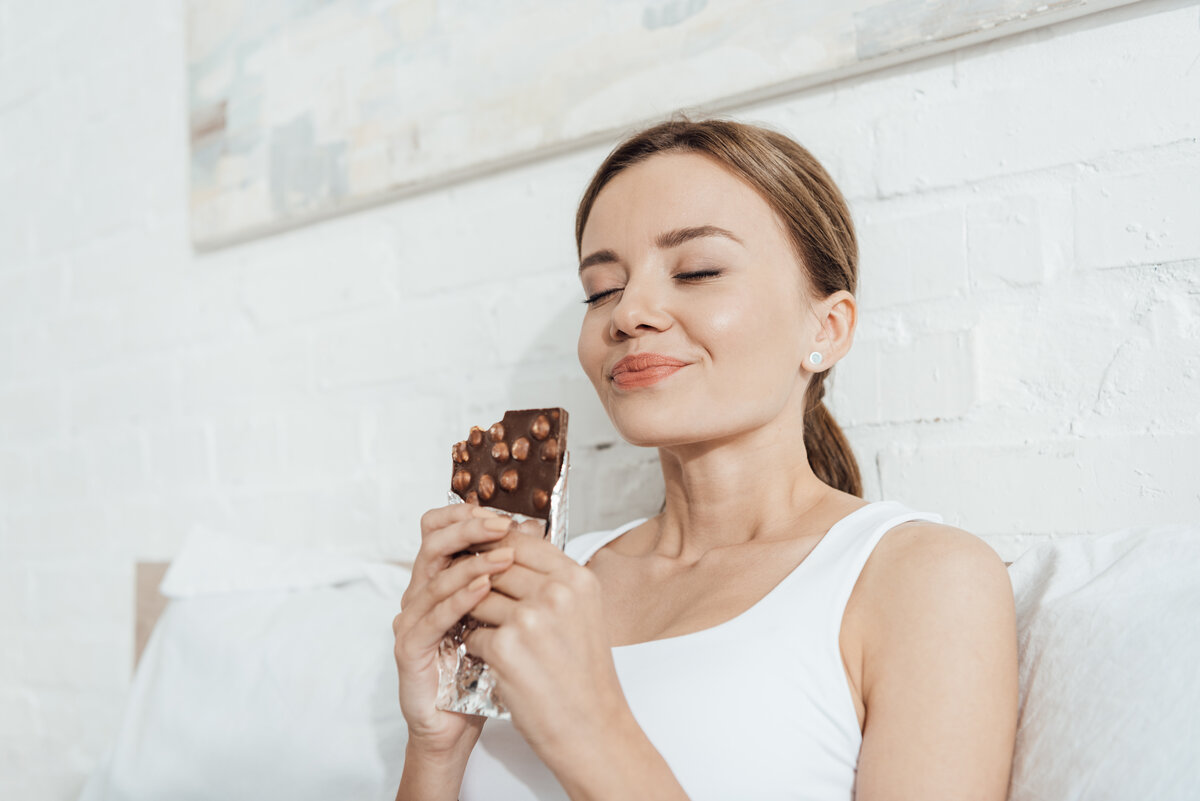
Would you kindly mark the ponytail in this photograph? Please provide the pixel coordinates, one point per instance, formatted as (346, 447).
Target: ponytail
(829, 453)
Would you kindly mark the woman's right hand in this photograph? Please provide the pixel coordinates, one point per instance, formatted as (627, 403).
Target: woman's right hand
(443, 589)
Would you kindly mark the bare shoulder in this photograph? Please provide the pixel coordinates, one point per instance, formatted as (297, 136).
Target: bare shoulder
(923, 581)
(942, 558)
(929, 578)
(937, 630)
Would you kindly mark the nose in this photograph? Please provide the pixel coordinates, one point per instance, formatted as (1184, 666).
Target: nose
(640, 309)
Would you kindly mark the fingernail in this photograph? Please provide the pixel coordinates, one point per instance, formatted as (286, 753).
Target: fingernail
(478, 584)
(534, 528)
(499, 555)
(497, 523)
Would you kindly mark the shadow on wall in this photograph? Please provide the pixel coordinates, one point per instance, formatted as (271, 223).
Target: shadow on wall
(611, 481)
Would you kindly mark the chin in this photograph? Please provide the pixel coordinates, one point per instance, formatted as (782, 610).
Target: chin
(662, 428)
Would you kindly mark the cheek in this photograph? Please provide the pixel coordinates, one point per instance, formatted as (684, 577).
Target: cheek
(751, 326)
(760, 338)
(590, 348)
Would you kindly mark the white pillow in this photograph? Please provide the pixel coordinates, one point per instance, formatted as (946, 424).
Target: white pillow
(287, 692)
(1109, 631)
(247, 693)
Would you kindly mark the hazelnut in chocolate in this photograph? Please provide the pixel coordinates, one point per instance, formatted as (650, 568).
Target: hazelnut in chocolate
(513, 465)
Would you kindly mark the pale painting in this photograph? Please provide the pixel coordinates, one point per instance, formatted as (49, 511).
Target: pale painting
(303, 109)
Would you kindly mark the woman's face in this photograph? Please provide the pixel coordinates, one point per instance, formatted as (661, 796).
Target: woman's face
(697, 327)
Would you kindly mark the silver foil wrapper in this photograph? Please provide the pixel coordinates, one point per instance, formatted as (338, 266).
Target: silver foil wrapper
(465, 683)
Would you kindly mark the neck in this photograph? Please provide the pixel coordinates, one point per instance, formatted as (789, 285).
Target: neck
(751, 487)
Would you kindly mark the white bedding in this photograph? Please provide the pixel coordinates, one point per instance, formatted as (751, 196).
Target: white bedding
(270, 676)
(1110, 686)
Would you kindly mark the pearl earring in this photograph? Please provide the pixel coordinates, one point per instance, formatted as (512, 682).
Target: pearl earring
(815, 357)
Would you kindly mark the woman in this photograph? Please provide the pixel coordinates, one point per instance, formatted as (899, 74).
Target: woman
(768, 634)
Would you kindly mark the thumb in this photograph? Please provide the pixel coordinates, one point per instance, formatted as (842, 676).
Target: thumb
(532, 528)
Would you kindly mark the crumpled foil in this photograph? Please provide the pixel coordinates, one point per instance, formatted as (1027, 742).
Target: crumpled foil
(465, 682)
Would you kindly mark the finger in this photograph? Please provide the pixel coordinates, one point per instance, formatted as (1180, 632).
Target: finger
(479, 642)
(444, 516)
(438, 547)
(495, 608)
(518, 582)
(454, 578)
(453, 595)
(432, 627)
(458, 537)
(538, 554)
(432, 521)
(532, 528)
(526, 528)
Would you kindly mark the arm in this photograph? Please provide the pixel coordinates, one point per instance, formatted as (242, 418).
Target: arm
(443, 588)
(432, 776)
(552, 661)
(614, 761)
(939, 668)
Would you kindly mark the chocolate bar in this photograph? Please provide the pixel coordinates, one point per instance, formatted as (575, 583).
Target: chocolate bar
(518, 465)
(514, 464)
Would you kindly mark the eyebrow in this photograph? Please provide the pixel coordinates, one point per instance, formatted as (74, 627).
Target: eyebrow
(669, 239)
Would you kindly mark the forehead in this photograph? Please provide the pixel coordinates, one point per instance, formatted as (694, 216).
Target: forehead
(672, 190)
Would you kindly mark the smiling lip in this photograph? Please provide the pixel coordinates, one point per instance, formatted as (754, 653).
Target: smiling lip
(643, 369)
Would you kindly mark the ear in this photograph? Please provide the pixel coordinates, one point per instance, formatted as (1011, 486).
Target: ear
(835, 318)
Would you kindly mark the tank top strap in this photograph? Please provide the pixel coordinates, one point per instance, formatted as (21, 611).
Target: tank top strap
(840, 560)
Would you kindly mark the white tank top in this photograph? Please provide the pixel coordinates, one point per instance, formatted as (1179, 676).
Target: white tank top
(756, 707)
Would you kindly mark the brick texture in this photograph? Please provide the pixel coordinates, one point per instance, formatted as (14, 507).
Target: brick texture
(1027, 359)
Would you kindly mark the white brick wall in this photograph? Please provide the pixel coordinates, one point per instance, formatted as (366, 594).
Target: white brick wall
(1027, 363)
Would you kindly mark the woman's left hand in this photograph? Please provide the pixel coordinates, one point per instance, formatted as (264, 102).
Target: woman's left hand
(550, 649)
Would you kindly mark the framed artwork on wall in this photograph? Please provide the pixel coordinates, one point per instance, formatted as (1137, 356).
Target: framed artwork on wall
(305, 109)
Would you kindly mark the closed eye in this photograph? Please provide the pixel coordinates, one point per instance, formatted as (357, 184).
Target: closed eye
(690, 277)
(596, 297)
(698, 275)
